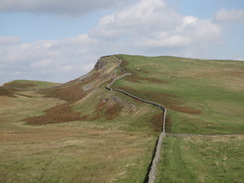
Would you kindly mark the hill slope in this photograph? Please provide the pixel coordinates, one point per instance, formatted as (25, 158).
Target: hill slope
(81, 132)
(76, 132)
(202, 96)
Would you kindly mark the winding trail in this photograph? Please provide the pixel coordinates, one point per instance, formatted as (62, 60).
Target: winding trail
(151, 175)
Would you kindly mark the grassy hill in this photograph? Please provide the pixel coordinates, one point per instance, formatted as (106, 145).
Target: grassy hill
(81, 132)
(76, 132)
(202, 96)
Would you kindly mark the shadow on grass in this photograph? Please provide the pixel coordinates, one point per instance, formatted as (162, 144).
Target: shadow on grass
(146, 179)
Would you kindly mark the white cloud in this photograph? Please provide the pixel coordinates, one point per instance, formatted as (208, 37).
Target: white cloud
(153, 24)
(9, 40)
(55, 6)
(138, 19)
(55, 60)
(145, 27)
(41, 64)
(230, 16)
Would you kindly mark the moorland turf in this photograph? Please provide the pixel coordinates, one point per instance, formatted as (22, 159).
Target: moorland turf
(90, 134)
(81, 132)
(202, 159)
(202, 96)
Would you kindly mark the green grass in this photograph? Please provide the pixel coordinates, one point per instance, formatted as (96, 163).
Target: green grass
(133, 116)
(201, 159)
(82, 151)
(109, 146)
(76, 156)
(114, 140)
(30, 84)
(202, 96)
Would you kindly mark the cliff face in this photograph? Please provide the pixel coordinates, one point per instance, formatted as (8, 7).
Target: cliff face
(101, 63)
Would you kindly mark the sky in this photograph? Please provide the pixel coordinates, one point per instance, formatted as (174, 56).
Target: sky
(60, 40)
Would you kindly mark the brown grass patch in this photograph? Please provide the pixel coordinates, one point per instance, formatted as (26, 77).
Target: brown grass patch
(163, 98)
(57, 114)
(132, 79)
(84, 117)
(61, 113)
(26, 85)
(113, 111)
(69, 94)
(145, 72)
(157, 122)
(64, 113)
(6, 91)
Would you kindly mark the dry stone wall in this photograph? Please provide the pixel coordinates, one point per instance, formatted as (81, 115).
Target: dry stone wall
(151, 175)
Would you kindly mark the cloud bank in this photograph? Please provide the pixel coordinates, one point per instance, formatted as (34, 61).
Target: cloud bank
(152, 24)
(55, 60)
(145, 27)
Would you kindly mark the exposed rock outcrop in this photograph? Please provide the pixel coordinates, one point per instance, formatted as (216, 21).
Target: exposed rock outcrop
(101, 63)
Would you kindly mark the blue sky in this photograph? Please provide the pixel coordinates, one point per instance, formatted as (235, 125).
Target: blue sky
(61, 40)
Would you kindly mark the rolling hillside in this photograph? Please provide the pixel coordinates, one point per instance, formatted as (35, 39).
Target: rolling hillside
(82, 132)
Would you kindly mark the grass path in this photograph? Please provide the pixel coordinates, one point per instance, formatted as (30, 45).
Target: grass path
(185, 172)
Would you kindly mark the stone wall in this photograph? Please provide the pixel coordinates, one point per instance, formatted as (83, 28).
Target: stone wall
(151, 175)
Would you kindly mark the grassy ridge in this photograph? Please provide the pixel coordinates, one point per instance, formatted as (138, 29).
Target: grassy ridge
(11, 89)
(94, 135)
(30, 84)
(202, 96)
(100, 137)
